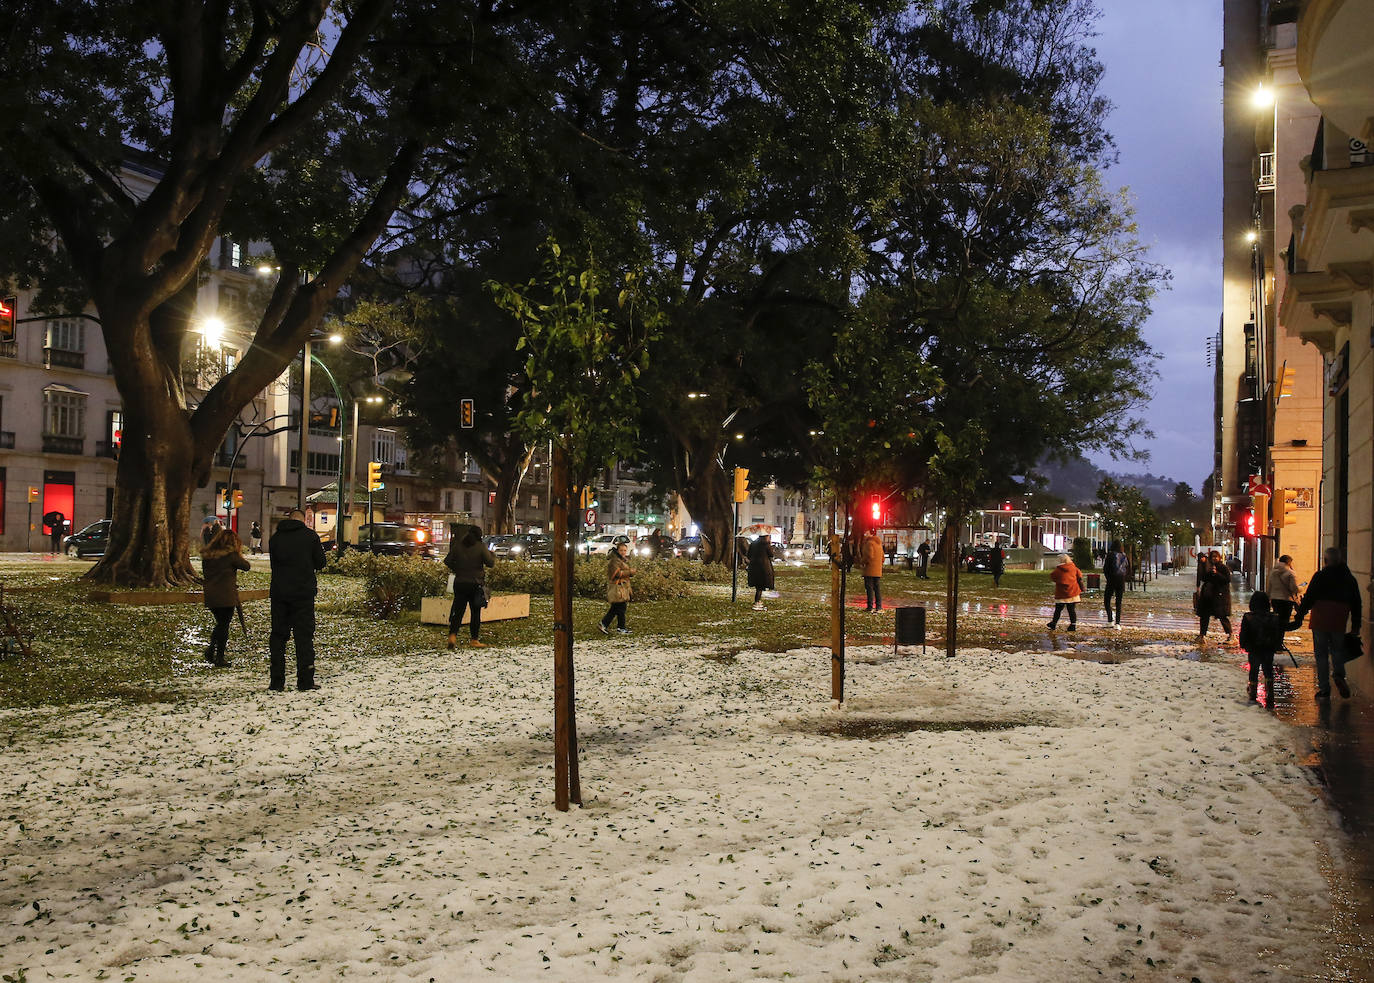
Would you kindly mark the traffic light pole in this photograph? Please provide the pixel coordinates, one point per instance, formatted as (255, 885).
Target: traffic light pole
(305, 426)
(734, 558)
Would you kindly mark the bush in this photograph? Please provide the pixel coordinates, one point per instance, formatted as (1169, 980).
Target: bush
(1082, 553)
(392, 584)
(654, 580)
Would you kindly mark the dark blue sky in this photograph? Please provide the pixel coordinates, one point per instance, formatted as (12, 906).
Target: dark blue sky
(1164, 79)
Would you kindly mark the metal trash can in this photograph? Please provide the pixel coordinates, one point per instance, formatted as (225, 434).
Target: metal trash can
(911, 627)
(1094, 580)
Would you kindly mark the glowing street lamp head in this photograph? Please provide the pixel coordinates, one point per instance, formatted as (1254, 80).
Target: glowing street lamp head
(212, 330)
(335, 338)
(1252, 236)
(1263, 97)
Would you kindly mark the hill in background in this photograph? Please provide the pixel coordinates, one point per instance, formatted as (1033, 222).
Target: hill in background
(1076, 482)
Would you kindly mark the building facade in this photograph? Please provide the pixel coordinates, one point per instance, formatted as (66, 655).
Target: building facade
(1268, 383)
(1328, 299)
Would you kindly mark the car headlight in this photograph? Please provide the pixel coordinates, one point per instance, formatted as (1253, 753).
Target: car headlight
(516, 548)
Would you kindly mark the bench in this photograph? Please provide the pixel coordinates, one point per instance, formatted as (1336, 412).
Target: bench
(148, 597)
(501, 607)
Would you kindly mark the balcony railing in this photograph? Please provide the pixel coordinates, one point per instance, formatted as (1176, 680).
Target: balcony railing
(224, 458)
(106, 448)
(53, 444)
(9, 349)
(60, 358)
(6, 440)
(1266, 172)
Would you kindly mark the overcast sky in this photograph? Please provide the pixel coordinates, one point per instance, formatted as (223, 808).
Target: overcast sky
(1164, 80)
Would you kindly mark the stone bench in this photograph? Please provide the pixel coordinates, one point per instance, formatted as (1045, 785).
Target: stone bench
(501, 607)
(147, 597)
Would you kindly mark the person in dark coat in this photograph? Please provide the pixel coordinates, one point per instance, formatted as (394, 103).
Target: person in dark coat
(208, 532)
(1116, 569)
(923, 551)
(760, 569)
(1261, 635)
(255, 538)
(57, 524)
(221, 562)
(468, 558)
(618, 591)
(999, 565)
(1333, 597)
(295, 554)
(1214, 594)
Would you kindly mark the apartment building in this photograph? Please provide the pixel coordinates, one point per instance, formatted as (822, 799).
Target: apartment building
(1327, 301)
(1268, 383)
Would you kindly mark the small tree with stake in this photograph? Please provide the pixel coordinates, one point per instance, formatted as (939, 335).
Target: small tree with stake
(582, 365)
(955, 472)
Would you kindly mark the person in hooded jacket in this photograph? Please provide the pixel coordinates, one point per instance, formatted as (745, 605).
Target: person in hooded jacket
(871, 556)
(1261, 635)
(468, 558)
(295, 554)
(1068, 588)
(221, 562)
(1283, 587)
(1333, 597)
(760, 569)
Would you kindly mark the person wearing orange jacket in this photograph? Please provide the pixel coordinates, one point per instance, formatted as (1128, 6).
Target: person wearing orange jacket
(1068, 588)
(871, 555)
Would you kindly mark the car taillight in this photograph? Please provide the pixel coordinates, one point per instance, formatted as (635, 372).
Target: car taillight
(420, 535)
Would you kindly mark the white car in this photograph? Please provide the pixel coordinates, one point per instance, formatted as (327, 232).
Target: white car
(600, 545)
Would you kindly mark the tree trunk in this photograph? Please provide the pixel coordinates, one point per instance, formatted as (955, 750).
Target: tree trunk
(507, 488)
(951, 535)
(708, 496)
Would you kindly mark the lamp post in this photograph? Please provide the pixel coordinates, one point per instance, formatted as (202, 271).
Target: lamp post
(304, 442)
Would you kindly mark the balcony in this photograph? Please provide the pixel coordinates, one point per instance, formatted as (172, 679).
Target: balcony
(59, 358)
(107, 448)
(1265, 179)
(6, 440)
(224, 458)
(53, 444)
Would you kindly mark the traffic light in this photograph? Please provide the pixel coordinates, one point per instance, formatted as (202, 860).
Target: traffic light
(33, 494)
(238, 498)
(741, 484)
(1286, 377)
(1261, 507)
(1285, 504)
(8, 306)
(587, 499)
(876, 510)
(466, 414)
(374, 476)
(1245, 524)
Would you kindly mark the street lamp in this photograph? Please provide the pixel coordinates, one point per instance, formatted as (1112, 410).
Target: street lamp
(306, 356)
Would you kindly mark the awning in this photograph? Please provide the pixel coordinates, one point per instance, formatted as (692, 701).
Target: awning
(58, 387)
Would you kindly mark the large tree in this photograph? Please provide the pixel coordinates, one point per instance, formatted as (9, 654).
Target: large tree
(297, 124)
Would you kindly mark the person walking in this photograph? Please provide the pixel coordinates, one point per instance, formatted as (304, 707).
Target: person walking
(923, 551)
(1116, 570)
(1068, 588)
(871, 556)
(255, 538)
(1213, 594)
(761, 569)
(1261, 635)
(998, 564)
(1333, 597)
(1283, 587)
(468, 558)
(295, 553)
(618, 592)
(221, 562)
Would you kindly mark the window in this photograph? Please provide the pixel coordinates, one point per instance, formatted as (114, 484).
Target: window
(384, 447)
(400, 495)
(758, 499)
(467, 501)
(318, 463)
(64, 413)
(448, 500)
(67, 335)
(534, 501)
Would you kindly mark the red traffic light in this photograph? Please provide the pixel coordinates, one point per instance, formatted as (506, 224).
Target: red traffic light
(877, 510)
(1006, 506)
(1245, 524)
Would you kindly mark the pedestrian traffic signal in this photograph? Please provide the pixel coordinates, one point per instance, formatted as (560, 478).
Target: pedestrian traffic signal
(1245, 524)
(741, 484)
(238, 498)
(8, 306)
(466, 414)
(374, 476)
(1261, 506)
(877, 510)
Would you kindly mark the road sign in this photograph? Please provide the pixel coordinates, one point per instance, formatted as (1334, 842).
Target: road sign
(591, 517)
(33, 494)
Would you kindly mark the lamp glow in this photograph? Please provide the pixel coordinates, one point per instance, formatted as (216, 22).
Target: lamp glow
(212, 330)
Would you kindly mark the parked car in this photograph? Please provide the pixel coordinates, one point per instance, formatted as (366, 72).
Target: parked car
(688, 547)
(395, 539)
(521, 546)
(90, 541)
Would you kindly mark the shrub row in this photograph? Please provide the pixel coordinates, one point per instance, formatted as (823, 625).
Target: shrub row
(391, 584)
(654, 580)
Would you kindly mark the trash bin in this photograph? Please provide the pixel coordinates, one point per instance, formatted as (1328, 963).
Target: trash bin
(911, 627)
(1094, 581)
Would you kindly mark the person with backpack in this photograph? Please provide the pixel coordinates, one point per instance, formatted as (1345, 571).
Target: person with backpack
(1261, 635)
(1333, 597)
(1116, 570)
(468, 558)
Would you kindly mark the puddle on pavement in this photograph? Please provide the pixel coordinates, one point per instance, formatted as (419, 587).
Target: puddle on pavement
(877, 728)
